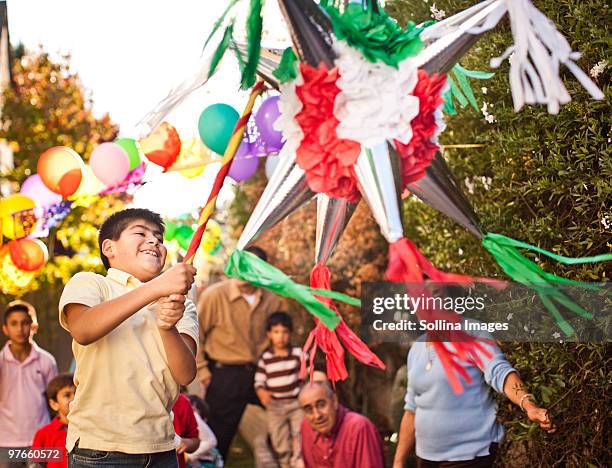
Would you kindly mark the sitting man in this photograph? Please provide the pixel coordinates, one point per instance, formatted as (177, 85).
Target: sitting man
(333, 436)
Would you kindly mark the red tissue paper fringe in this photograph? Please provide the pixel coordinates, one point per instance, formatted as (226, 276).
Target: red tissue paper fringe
(327, 160)
(416, 156)
(329, 341)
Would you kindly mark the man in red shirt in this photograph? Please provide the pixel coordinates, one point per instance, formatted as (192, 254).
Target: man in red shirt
(186, 428)
(333, 436)
(52, 437)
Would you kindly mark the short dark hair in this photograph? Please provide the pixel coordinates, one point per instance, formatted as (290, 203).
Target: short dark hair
(279, 318)
(57, 383)
(261, 253)
(20, 306)
(116, 223)
(201, 406)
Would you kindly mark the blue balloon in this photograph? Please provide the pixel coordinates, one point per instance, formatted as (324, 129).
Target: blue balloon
(216, 125)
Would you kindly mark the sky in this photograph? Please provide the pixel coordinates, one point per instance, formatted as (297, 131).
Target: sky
(130, 53)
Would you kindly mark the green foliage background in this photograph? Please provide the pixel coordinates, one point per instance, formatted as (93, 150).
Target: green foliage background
(551, 186)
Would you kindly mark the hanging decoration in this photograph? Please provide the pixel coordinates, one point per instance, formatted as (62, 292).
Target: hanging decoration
(162, 146)
(18, 216)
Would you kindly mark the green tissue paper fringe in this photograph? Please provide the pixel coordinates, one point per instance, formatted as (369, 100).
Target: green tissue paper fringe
(221, 48)
(505, 251)
(461, 90)
(249, 267)
(286, 70)
(253, 27)
(376, 35)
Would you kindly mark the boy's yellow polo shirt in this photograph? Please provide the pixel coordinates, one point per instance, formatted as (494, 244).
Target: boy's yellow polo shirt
(125, 390)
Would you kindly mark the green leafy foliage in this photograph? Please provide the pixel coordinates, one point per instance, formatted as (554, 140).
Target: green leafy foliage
(546, 180)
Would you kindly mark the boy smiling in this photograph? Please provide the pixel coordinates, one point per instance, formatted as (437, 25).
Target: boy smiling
(134, 341)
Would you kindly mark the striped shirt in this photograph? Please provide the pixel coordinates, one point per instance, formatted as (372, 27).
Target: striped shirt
(279, 374)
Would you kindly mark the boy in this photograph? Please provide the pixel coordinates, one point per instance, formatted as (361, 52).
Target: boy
(25, 371)
(277, 385)
(134, 341)
(60, 392)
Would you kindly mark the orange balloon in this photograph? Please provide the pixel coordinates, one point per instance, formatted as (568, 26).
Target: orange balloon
(12, 280)
(61, 170)
(28, 254)
(162, 146)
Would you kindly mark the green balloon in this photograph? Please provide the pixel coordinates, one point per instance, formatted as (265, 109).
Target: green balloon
(216, 125)
(170, 230)
(131, 148)
(183, 235)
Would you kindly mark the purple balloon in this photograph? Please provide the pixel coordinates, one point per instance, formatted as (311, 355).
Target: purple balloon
(244, 164)
(265, 117)
(34, 188)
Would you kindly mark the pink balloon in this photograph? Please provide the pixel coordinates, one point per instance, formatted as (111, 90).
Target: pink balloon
(34, 188)
(244, 164)
(110, 163)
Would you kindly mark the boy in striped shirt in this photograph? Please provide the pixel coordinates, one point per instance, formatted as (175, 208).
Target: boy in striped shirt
(277, 384)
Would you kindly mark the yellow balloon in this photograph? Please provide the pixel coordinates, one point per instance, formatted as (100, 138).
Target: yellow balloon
(17, 213)
(89, 188)
(211, 237)
(12, 280)
(193, 153)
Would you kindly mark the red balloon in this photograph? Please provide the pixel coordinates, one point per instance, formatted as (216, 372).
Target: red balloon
(28, 254)
(162, 146)
(61, 170)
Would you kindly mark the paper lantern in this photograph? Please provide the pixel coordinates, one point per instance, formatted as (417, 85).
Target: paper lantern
(18, 218)
(110, 163)
(28, 254)
(61, 170)
(162, 146)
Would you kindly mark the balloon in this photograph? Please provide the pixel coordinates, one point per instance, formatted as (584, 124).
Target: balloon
(271, 164)
(183, 235)
(61, 170)
(216, 124)
(12, 279)
(195, 154)
(170, 230)
(265, 117)
(162, 146)
(244, 165)
(28, 254)
(212, 237)
(131, 148)
(17, 213)
(90, 185)
(110, 163)
(34, 188)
